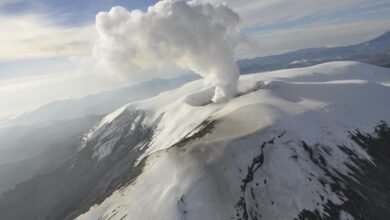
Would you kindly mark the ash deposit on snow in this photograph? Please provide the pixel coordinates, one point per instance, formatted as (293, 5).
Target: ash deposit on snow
(197, 36)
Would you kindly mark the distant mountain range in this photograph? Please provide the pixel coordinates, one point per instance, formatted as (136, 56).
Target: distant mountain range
(41, 139)
(98, 104)
(29, 150)
(376, 52)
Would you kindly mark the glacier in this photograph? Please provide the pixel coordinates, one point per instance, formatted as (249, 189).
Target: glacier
(275, 151)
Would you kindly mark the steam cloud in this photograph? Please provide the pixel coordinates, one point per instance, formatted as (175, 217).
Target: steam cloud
(198, 36)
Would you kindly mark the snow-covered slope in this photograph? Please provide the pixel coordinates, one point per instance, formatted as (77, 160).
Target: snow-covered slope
(282, 149)
(309, 143)
(97, 104)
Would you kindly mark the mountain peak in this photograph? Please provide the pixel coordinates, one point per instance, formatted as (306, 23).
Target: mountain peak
(385, 35)
(285, 135)
(382, 38)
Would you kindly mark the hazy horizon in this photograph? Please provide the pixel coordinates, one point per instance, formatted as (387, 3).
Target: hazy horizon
(47, 45)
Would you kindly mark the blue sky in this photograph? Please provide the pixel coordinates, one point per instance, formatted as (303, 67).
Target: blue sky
(354, 13)
(70, 12)
(74, 17)
(80, 12)
(46, 43)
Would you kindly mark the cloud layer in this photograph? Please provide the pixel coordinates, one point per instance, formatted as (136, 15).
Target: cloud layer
(33, 36)
(201, 37)
(280, 11)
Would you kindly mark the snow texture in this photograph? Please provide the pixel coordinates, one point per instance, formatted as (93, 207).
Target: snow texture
(255, 155)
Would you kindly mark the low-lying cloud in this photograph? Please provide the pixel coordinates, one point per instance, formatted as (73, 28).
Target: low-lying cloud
(198, 36)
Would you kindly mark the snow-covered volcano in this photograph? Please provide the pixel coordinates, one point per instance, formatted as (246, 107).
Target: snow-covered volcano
(308, 143)
(286, 147)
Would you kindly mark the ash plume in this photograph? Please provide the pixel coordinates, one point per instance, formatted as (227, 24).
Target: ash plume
(198, 36)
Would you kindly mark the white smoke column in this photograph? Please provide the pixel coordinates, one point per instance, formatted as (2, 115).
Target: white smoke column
(198, 36)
